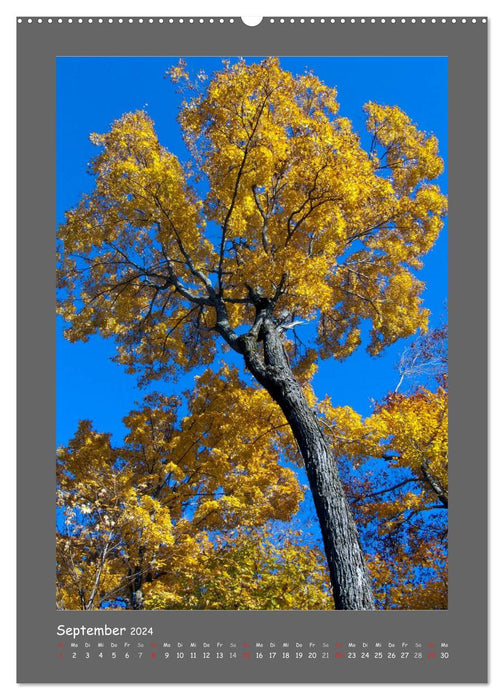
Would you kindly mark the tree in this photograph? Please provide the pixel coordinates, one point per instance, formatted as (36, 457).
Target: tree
(186, 512)
(282, 218)
(395, 467)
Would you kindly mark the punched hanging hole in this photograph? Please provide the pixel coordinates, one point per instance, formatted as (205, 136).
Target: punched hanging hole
(251, 21)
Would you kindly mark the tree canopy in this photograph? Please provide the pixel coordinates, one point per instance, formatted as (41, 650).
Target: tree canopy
(395, 466)
(296, 211)
(180, 516)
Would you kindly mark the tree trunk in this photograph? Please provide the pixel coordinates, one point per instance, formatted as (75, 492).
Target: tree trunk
(347, 568)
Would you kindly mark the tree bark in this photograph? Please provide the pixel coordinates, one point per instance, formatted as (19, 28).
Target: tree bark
(345, 559)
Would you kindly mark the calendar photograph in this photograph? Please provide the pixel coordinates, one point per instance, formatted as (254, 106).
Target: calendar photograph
(252, 338)
(263, 334)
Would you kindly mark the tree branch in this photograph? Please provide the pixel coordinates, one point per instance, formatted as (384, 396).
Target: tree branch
(235, 191)
(265, 217)
(387, 490)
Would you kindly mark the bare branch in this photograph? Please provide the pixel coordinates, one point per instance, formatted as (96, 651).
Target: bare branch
(387, 490)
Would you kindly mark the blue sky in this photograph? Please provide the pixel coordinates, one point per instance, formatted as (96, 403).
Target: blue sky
(93, 92)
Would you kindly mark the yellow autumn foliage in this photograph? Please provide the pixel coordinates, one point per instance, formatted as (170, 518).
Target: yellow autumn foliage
(293, 208)
(156, 511)
(281, 208)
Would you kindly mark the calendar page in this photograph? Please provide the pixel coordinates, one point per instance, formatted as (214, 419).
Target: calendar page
(270, 276)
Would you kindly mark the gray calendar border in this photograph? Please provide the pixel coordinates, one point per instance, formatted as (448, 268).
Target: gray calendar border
(464, 624)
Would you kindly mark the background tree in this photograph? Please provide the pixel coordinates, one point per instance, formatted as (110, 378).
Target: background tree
(395, 468)
(298, 223)
(186, 513)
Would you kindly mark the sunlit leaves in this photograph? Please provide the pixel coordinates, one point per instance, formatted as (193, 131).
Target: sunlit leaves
(395, 465)
(177, 493)
(283, 210)
(282, 199)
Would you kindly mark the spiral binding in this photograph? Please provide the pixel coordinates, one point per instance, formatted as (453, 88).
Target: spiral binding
(265, 20)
